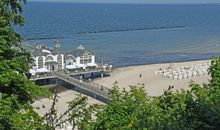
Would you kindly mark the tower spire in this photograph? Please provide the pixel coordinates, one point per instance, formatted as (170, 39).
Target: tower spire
(57, 43)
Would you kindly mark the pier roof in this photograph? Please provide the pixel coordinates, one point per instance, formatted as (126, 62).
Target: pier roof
(80, 50)
(40, 50)
(37, 52)
(57, 49)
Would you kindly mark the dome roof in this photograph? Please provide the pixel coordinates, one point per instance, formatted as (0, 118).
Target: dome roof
(80, 47)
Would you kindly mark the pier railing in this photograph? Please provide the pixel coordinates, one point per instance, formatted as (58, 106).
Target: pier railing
(49, 75)
(43, 76)
(90, 70)
(93, 88)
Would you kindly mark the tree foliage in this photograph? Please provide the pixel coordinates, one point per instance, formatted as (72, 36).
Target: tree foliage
(17, 92)
(123, 110)
(195, 109)
(79, 114)
(215, 73)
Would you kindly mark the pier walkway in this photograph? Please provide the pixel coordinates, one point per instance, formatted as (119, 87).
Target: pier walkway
(96, 91)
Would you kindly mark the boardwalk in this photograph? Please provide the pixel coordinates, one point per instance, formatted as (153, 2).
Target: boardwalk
(97, 91)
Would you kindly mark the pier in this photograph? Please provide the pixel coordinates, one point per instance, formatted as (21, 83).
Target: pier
(73, 67)
(96, 91)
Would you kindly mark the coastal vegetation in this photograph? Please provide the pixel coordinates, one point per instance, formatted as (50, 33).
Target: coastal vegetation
(193, 109)
(197, 108)
(16, 91)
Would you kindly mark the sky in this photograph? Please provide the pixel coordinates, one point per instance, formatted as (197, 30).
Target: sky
(134, 1)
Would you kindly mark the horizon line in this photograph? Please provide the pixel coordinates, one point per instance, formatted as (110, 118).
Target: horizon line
(120, 2)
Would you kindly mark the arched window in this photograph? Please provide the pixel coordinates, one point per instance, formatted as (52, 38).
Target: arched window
(40, 62)
(70, 60)
(59, 62)
(49, 58)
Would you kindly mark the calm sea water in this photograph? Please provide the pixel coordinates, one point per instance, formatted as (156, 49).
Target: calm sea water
(127, 34)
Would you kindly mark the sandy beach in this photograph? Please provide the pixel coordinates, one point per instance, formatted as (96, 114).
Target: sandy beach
(125, 76)
(154, 84)
(62, 105)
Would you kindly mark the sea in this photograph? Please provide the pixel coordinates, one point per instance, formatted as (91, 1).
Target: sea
(127, 34)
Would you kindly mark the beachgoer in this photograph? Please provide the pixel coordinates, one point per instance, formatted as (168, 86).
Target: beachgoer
(140, 75)
(102, 88)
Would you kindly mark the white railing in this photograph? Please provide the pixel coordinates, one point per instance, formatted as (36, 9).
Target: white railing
(42, 76)
(91, 87)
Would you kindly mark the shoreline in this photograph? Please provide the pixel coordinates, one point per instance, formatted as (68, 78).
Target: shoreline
(182, 61)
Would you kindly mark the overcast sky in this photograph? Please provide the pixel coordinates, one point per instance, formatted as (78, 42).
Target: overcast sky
(135, 1)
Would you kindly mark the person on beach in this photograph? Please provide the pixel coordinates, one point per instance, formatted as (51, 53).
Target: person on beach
(102, 88)
(140, 75)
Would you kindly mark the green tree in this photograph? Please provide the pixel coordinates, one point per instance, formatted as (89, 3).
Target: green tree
(215, 73)
(79, 114)
(125, 110)
(17, 92)
(195, 109)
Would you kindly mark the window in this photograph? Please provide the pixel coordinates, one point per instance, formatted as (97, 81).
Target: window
(87, 61)
(49, 58)
(40, 62)
(59, 61)
(69, 62)
(86, 58)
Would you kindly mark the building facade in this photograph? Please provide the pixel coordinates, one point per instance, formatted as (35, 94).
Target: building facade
(50, 59)
(80, 57)
(46, 60)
